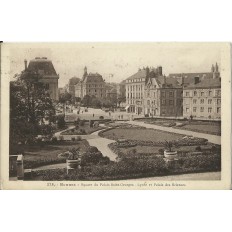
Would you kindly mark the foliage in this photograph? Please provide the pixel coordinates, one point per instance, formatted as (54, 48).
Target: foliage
(64, 97)
(30, 106)
(60, 122)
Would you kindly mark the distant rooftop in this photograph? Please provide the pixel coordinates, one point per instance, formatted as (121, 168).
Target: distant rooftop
(42, 65)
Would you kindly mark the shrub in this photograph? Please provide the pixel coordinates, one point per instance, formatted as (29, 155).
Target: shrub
(82, 131)
(82, 123)
(146, 115)
(161, 151)
(54, 139)
(101, 117)
(61, 122)
(73, 138)
(61, 138)
(78, 138)
(198, 148)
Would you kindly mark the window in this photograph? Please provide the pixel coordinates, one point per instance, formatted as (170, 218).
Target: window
(202, 94)
(47, 86)
(163, 94)
(187, 110)
(195, 93)
(209, 101)
(171, 94)
(209, 110)
(187, 94)
(218, 101)
(154, 94)
(170, 102)
(163, 102)
(202, 109)
(148, 102)
(218, 109)
(202, 101)
(194, 109)
(218, 92)
(210, 93)
(194, 101)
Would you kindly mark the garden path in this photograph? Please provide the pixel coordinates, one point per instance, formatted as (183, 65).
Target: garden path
(94, 140)
(211, 138)
(101, 144)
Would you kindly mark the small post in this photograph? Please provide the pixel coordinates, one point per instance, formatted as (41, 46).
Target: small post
(20, 168)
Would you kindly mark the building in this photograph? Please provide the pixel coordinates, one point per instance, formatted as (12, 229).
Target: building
(135, 85)
(149, 92)
(202, 99)
(92, 84)
(47, 72)
(71, 85)
(163, 97)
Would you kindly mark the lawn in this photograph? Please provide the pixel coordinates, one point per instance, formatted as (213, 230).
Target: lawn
(140, 134)
(36, 155)
(209, 127)
(214, 129)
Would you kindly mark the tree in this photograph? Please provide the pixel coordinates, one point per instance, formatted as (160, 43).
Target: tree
(86, 101)
(64, 97)
(30, 106)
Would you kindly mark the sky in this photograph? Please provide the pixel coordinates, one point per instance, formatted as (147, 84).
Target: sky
(116, 61)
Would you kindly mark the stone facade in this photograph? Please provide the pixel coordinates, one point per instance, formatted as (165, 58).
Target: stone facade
(92, 84)
(149, 92)
(46, 70)
(203, 99)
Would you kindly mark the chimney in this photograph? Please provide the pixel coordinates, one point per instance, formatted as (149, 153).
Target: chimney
(159, 69)
(196, 80)
(25, 64)
(164, 85)
(182, 79)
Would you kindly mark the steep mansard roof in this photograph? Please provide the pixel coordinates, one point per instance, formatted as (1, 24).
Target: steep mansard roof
(93, 77)
(43, 66)
(206, 84)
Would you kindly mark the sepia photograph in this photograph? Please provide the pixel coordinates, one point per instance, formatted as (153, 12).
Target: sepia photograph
(91, 112)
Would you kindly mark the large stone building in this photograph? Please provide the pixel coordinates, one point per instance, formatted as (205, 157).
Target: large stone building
(149, 92)
(163, 97)
(92, 84)
(47, 73)
(202, 99)
(201, 93)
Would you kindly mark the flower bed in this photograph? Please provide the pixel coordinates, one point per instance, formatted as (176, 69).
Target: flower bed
(136, 167)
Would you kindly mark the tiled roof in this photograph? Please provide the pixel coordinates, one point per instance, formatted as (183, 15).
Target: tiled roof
(93, 77)
(43, 66)
(206, 84)
(139, 74)
(189, 77)
(170, 82)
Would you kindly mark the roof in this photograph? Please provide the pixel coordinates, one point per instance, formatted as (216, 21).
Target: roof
(93, 77)
(43, 66)
(189, 77)
(170, 82)
(139, 74)
(206, 84)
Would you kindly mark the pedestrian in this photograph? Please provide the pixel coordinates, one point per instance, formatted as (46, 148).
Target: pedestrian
(93, 115)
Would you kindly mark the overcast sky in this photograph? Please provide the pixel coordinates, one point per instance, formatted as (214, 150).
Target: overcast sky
(120, 59)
